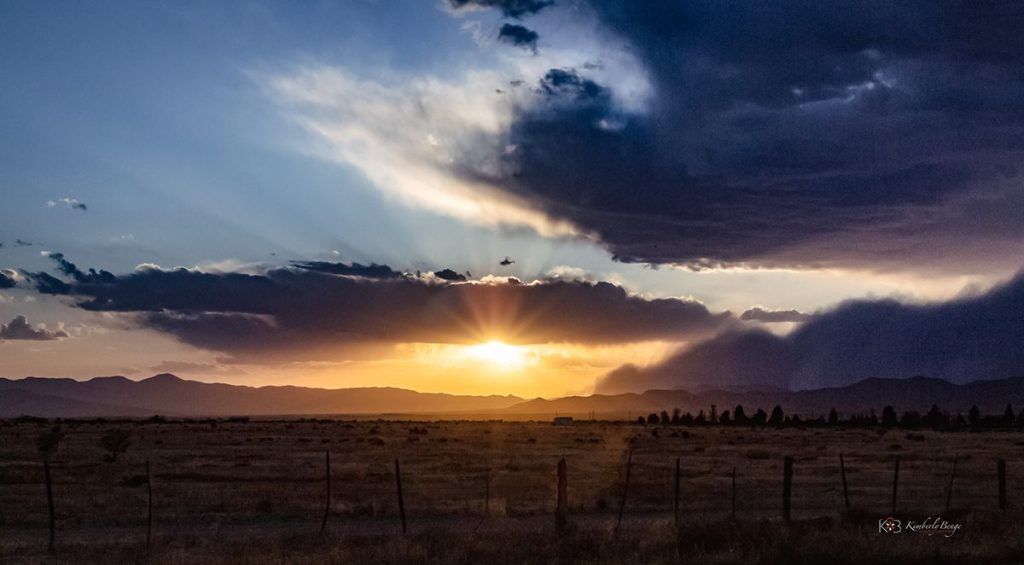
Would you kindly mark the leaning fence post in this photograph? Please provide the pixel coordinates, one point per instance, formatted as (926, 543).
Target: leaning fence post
(401, 499)
(327, 494)
(49, 501)
(563, 496)
(895, 484)
(675, 500)
(149, 506)
(787, 487)
(733, 513)
(625, 491)
(949, 489)
(1001, 469)
(846, 492)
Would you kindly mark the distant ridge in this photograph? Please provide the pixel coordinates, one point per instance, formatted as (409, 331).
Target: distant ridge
(169, 395)
(916, 393)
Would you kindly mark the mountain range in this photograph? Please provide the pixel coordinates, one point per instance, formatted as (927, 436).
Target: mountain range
(169, 395)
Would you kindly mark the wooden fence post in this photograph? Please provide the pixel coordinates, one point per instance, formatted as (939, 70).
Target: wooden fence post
(846, 491)
(949, 489)
(1001, 469)
(733, 513)
(149, 506)
(49, 502)
(563, 496)
(625, 491)
(401, 498)
(675, 500)
(787, 487)
(895, 484)
(327, 494)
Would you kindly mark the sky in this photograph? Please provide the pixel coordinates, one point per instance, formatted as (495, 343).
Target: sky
(693, 194)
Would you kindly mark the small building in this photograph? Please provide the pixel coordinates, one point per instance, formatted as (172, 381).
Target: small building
(563, 420)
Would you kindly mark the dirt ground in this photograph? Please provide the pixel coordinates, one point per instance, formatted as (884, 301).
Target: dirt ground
(477, 491)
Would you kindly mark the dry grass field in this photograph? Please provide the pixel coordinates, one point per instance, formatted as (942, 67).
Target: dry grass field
(254, 492)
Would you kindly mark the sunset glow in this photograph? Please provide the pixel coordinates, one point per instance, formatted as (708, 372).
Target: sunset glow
(500, 355)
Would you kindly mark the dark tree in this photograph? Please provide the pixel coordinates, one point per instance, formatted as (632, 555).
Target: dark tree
(777, 418)
(687, 419)
(725, 419)
(935, 418)
(795, 420)
(115, 442)
(974, 416)
(739, 416)
(653, 418)
(1020, 419)
(833, 417)
(665, 418)
(642, 421)
(677, 416)
(1009, 418)
(889, 417)
(713, 418)
(760, 417)
(700, 420)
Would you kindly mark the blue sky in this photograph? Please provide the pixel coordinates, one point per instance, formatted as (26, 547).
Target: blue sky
(241, 136)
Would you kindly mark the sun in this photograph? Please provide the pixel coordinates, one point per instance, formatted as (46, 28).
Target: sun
(499, 354)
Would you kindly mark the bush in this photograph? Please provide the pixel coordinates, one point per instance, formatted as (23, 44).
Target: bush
(115, 442)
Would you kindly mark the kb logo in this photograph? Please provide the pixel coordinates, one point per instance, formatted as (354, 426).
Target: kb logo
(889, 526)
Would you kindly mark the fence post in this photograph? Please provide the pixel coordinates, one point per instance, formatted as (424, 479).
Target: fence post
(787, 487)
(733, 513)
(1001, 468)
(675, 500)
(625, 491)
(49, 502)
(149, 506)
(949, 489)
(401, 498)
(895, 484)
(846, 492)
(563, 496)
(327, 494)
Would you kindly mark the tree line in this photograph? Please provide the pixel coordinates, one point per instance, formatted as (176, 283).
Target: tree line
(935, 418)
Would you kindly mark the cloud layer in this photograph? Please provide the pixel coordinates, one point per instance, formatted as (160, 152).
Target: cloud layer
(20, 329)
(313, 310)
(961, 340)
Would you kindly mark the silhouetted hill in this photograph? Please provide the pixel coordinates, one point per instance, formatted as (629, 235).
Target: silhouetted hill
(917, 393)
(170, 395)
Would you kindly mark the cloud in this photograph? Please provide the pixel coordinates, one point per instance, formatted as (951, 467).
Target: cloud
(518, 36)
(8, 278)
(20, 329)
(371, 271)
(759, 314)
(508, 8)
(70, 203)
(302, 314)
(961, 340)
(848, 142)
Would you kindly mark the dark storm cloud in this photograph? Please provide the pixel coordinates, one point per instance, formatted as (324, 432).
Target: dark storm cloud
(371, 271)
(508, 8)
(8, 278)
(450, 275)
(69, 269)
(961, 340)
(308, 314)
(519, 36)
(774, 316)
(20, 329)
(788, 133)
